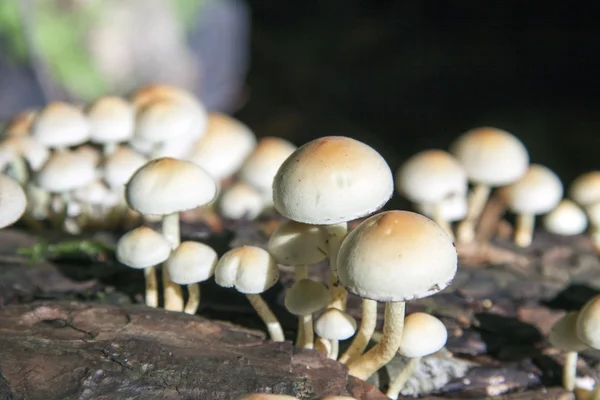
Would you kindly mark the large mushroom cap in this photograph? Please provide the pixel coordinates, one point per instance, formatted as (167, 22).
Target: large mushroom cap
(431, 176)
(61, 125)
(142, 248)
(536, 192)
(167, 185)
(564, 333)
(396, 256)
(249, 269)
(191, 262)
(295, 243)
(588, 323)
(491, 156)
(13, 201)
(331, 180)
(585, 189)
(111, 120)
(423, 334)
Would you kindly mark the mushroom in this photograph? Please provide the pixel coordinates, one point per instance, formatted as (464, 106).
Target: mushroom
(143, 248)
(563, 336)
(251, 270)
(394, 257)
(241, 200)
(536, 192)
(328, 182)
(112, 122)
(60, 125)
(303, 299)
(189, 264)
(450, 209)
(13, 201)
(335, 325)
(491, 157)
(20, 124)
(166, 187)
(588, 329)
(566, 219)
(423, 335)
(585, 191)
(429, 178)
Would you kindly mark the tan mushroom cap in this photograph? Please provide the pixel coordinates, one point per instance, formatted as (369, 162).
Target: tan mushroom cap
(120, 166)
(142, 248)
(335, 324)
(306, 297)
(250, 269)
(13, 201)
(564, 334)
(262, 164)
(431, 176)
(588, 323)
(585, 189)
(241, 200)
(111, 120)
(491, 156)
(266, 396)
(536, 192)
(295, 243)
(396, 256)
(20, 124)
(192, 262)
(65, 171)
(331, 180)
(163, 120)
(61, 125)
(423, 335)
(566, 219)
(167, 185)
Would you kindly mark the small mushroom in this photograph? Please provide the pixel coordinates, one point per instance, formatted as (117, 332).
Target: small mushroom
(588, 329)
(112, 122)
(241, 200)
(563, 336)
(303, 299)
(423, 335)
(335, 325)
(60, 125)
(448, 210)
(585, 191)
(13, 201)
(566, 219)
(251, 270)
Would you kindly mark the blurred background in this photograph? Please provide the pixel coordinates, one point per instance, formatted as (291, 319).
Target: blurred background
(400, 76)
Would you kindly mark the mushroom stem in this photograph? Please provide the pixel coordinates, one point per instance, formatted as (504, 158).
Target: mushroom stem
(441, 221)
(397, 384)
(302, 273)
(339, 295)
(595, 235)
(19, 170)
(323, 345)
(172, 291)
(386, 349)
(306, 340)
(193, 300)
(525, 224)
(364, 334)
(265, 313)
(335, 350)
(570, 371)
(477, 199)
(109, 148)
(151, 287)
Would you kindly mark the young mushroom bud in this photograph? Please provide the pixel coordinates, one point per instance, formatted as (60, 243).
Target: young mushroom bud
(335, 325)
(423, 335)
(563, 336)
(303, 299)
(567, 219)
(251, 270)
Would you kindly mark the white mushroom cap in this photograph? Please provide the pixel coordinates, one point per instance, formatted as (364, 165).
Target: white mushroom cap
(491, 156)
(192, 262)
(32, 151)
(331, 180)
(224, 147)
(335, 324)
(111, 120)
(567, 219)
(142, 248)
(20, 124)
(164, 119)
(89, 153)
(423, 335)
(431, 176)
(306, 297)
(61, 125)
(65, 171)
(453, 208)
(588, 323)
(396, 256)
(142, 146)
(536, 192)
(250, 269)
(121, 165)
(176, 147)
(13, 201)
(593, 213)
(564, 334)
(262, 164)
(295, 243)
(167, 185)
(241, 200)
(585, 189)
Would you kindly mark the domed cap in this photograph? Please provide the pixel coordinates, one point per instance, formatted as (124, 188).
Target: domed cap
(191, 262)
(536, 192)
(61, 125)
(121, 165)
(167, 185)
(250, 269)
(111, 120)
(588, 323)
(585, 189)
(13, 201)
(335, 324)
(295, 243)
(566, 219)
(491, 156)
(331, 180)
(65, 171)
(423, 335)
(164, 120)
(35, 153)
(142, 248)
(396, 256)
(306, 297)
(262, 164)
(241, 200)
(431, 176)
(564, 333)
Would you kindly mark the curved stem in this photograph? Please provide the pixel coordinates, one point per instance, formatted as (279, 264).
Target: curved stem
(172, 291)
(323, 345)
(307, 332)
(570, 371)
(477, 199)
(398, 383)
(151, 287)
(302, 273)
(441, 221)
(335, 349)
(193, 299)
(525, 224)
(265, 313)
(338, 294)
(386, 349)
(365, 331)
